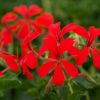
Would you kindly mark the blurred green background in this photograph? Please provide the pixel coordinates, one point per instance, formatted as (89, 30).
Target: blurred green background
(83, 12)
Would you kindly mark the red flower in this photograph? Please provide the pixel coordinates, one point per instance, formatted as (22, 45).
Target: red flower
(90, 47)
(90, 44)
(56, 45)
(28, 60)
(27, 13)
(76, 28)
(45, 19)
(27, 27)
(26, 21)
(32, 35)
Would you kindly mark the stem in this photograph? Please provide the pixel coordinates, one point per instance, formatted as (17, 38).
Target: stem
(83, 71)
(39, 56)
(70, 57)
(92, 71)
(42, 58)
(70, 88)
(47, 88)
(5, 70)
(10, 49)
(87, 95)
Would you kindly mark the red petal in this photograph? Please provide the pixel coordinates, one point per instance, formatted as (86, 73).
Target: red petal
(68, 28)
(70, 69)
(58, 76)
(11, 63)
(25, 47)
(35, 26)
(33, 10)
(22, 10)
(94, 32)
(15, 26)
(49, 44)
(76, 28)
(44, 69)
(27, 72)
(37, 31)
(66, 45)
(45, 19)
(73, 51)
(42, 49)
(6, 36)
(82, 56)
(96, 59)
(31, 37)
(31, 60)
(54, 29)
(24, 31)
(10, 16)
(81, 31)
(1, 74)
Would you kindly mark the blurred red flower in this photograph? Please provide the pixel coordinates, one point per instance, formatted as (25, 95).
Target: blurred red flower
(91, 47)
(28, 60)
(57, 45)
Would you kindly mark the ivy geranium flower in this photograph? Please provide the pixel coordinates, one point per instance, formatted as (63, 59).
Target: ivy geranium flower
(26, 26)
(26, 20)
(28, 61)
(57, 45)
(27, 23)
(90, 47)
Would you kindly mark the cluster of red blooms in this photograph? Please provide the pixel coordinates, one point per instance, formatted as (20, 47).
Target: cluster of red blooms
(26, 24)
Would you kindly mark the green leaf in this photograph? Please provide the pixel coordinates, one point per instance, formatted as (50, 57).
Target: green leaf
(50, 96)
(76, 95)
(84, 82)
(63, 92)
(33, 92)
(26, 84)
(8, 81)
(38, 88)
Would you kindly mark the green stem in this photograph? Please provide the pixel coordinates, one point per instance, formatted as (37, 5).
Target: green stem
(92, 71)
(10, 48)
(70, 88)
(47, 88)
(87, 95)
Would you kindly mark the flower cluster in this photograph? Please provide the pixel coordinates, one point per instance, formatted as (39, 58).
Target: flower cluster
(61, 50)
